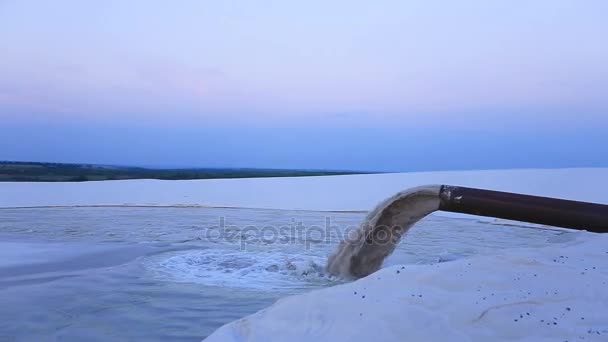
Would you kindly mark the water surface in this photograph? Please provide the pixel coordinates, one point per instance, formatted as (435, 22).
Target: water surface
(128, 273)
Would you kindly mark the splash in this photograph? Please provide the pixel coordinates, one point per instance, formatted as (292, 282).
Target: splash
(266, 271)
(381, 230)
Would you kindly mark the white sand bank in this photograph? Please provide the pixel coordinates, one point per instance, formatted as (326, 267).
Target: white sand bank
(549, 294)
(355, 192)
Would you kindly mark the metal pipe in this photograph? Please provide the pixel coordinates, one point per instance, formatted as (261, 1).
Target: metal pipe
(592, 217)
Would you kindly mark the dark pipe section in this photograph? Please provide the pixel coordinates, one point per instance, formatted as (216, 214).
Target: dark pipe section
(592, 217)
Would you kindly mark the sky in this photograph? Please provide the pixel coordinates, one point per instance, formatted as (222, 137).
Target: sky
(385, 85)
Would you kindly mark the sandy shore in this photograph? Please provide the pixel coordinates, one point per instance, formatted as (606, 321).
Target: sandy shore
(345, 193)
(548, 294)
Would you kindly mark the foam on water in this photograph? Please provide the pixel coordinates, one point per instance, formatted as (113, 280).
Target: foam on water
(259, 270)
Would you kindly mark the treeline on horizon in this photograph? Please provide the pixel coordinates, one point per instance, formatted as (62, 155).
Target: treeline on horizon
(11, 171)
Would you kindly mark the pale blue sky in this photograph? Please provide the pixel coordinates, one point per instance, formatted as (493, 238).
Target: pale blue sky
(373, 85)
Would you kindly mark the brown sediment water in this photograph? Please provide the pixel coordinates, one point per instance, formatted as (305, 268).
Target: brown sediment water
(377, 236)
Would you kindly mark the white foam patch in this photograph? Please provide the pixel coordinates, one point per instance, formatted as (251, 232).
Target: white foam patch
(259, 270)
